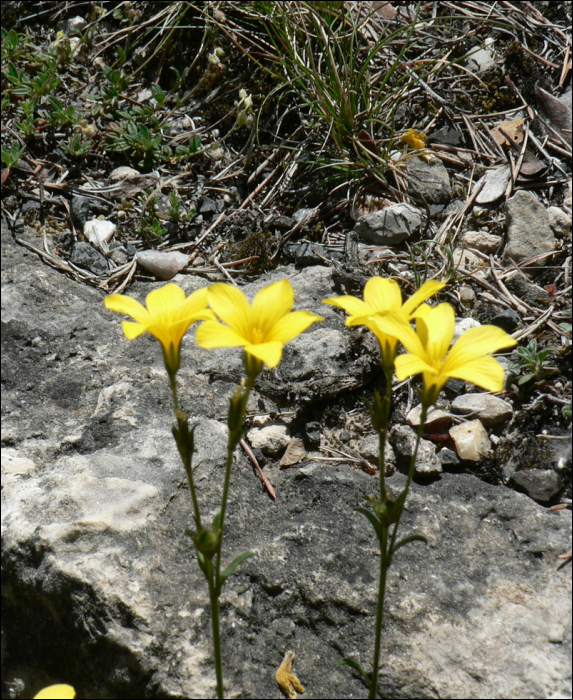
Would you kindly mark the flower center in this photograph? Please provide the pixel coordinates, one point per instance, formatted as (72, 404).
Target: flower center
(257, 336)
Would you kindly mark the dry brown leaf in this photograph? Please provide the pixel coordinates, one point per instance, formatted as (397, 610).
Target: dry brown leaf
(513, 129)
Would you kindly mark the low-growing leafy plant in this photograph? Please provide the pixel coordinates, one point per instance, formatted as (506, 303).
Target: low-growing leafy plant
(12, 156)
(532, 364)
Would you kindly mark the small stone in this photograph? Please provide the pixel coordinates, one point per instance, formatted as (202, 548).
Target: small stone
(368, 447)
(312, 435)
(164, 265)
(404, 441)
(295, 453)
(435, 417)
(272, 440)
(507, 320)
(493, 185)
(301, 214)
(471, 440)
(467, 294)
(491, 410)
(481, 240)
(528, 230)
(454, 387)
(344, 436)
(543, 485)
(99, 232)
(559, 220)
(86, 256)
(448, 458)
(466, 258)
(390, 225)
(428, 179)
(199, 261)
(124, 172)
(208, 206)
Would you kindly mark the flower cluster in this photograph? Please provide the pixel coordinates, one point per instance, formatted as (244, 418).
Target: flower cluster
(262, 329)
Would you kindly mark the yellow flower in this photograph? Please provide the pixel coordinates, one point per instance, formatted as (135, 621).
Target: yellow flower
(57, 692)
(382, 296)
(428, 350)
(167, 317)
(287, 681)
(261, 329)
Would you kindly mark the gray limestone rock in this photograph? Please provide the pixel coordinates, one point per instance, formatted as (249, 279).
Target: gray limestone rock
(101, 585)
(528, 231)
(490, 409)
(428, 180)
(389, 226)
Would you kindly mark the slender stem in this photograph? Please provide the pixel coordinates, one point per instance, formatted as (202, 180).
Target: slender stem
(409, 480)
(382, 434)
(185, 458)
(233, 442)
(214, 598)
(379, 612)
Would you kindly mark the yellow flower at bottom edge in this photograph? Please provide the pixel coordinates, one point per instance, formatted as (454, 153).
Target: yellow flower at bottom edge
(167, 317)
(56, 692)
(381, 296)
(429, 350)
(261, 329)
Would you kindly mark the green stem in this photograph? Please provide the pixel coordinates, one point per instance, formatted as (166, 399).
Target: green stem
(214, 598)
(379, 612)
(186, 459)
(234, 440)
(383, 433)
(409, 480)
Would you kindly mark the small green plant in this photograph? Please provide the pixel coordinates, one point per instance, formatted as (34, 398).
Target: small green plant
(11, 157)
(176, 212)
(532, 364)
(59, 115)
(130, 137)
(566, 327)
(77, 146)
(14, 45)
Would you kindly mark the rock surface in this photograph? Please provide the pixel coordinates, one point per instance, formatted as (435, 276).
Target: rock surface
(490, 409)
(528, 231)
(100, 583)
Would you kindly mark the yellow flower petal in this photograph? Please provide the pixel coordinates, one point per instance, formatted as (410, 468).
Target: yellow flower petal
(396, 325)
(163, 301)
(270, 305)
(427, 290)
(475, 343)
(352, 305)
(440, 331)
(60, 691)
(291, 325)
(127, 305)
(232, 307)
(407, 365)
(483, 371)
(269, 353)
(132, 330)
(382, 294)
(215, 335)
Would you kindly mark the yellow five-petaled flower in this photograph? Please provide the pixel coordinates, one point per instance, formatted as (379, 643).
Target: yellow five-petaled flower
(427, 350)
(261, 329)
(167, 317)
(380, 297)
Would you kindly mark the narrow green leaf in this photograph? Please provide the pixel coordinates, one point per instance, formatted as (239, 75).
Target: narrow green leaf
(366, 677)
(233, 565)
(410, 538)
